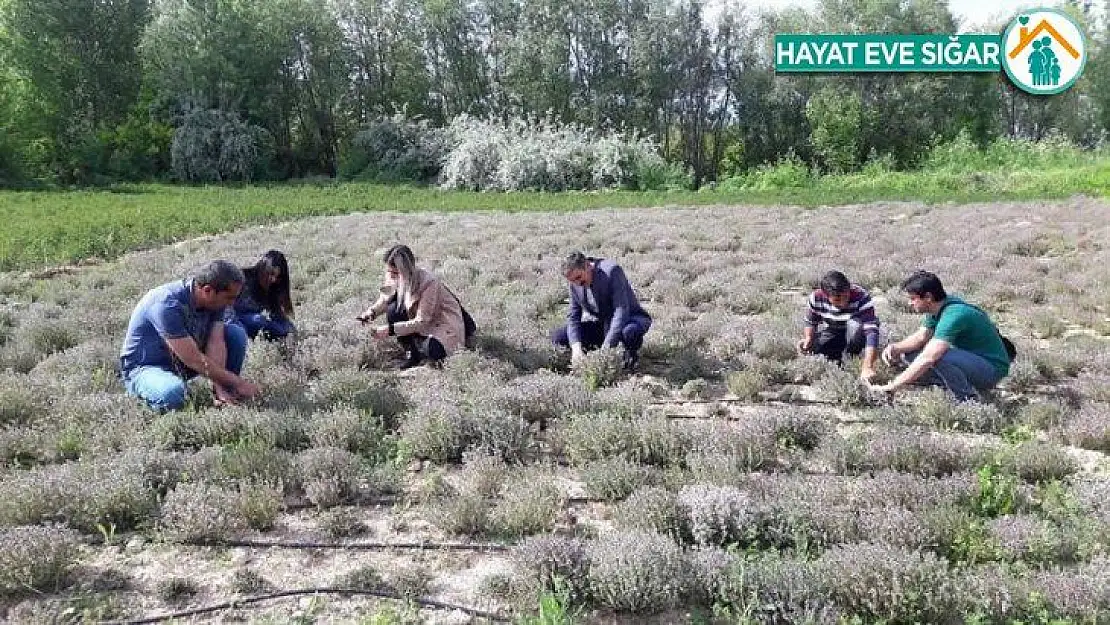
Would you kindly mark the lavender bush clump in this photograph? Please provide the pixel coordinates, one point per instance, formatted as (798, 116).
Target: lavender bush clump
(627, 399)
(901, 449)
(483, 474)
(201, 512)
(346, 428)
(781, 590)
(1089, 429)
(376, 394)
(711, 570)
(1044, 415)
(747, 384)
(20, 401)
(1024, 537)
(661, 442)
(544, 395)
(801, 430)
(1038, 461)
(637, 572)
(466, 514)
(714, 515)
(600, 368)
(176, 430)
(36, 558)
(879, 582)
(844, 388)
(588, 437)
(527, 506)
(438, 434)
(330, 475)
(92, 366)
(796, 526)
(82, 495)
(248, 461)
(896, 527)
(651, 509)
(614, 479)
(498, 432)
(1079, 594)
(752, 444)
(934, 407)
(1093, 494)
(556, 562)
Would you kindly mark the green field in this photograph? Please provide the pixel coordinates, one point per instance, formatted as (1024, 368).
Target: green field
(46, 228)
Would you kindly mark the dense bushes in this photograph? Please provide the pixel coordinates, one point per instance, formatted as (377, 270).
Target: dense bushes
(522, 154)
(393, 149)
(214, 146)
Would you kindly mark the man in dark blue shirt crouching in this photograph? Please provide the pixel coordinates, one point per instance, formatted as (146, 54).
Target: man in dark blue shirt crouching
(600, 292)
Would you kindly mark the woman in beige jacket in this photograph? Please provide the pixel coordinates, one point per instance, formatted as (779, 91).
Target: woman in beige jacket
(420, 311)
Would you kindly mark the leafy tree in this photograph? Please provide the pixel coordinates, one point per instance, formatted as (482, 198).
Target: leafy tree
(836, 117)
(81, 63)
(215, 146)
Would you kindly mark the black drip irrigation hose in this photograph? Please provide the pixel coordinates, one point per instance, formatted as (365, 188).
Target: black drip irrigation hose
(777, 403)
(380, 500)
(363, 546)
(691, 417)
(246, 601)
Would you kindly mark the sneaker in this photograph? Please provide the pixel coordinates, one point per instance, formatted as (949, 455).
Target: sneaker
(631, 361)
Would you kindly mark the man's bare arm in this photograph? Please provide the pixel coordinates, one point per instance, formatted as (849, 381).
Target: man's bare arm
(930, 356)
(915, 341)
(186, 349)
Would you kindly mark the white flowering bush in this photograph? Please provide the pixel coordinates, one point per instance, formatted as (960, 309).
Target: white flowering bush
(529, 154)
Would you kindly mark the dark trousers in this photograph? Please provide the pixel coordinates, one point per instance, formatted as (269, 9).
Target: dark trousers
(271, 330)
(417, 345)
(593, 334)
(832, 342)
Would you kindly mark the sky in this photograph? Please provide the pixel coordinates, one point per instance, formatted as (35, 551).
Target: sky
(969, 13)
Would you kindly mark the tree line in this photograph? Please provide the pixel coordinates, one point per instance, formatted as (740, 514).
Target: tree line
(95, 91)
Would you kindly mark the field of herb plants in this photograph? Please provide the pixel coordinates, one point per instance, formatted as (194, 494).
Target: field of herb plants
(728, 481)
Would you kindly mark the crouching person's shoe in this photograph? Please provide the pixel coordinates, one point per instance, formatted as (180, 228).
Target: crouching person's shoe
(631, 361)
(413, 359)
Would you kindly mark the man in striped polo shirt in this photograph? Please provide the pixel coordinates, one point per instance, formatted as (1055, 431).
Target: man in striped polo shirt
(850, 325)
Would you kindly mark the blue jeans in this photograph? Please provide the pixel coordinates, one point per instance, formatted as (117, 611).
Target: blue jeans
(164, 390)
(962, 372)
(254, 323)
(593, 333)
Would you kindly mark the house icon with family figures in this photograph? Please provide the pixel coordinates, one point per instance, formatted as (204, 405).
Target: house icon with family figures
(1044, 66)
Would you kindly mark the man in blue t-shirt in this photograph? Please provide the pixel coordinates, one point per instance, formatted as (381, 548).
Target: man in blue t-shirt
(180, 330)
(957, 346)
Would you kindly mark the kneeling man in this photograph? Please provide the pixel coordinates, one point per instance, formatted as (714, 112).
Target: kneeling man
(599, 288)
(957, 346)
(180, 330)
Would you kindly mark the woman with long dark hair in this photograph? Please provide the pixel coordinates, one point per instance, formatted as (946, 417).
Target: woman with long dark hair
(264, 305)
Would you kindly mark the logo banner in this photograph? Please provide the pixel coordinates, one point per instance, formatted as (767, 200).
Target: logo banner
(1043, 51)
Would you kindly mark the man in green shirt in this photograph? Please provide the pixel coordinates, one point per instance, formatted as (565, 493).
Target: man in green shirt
(957, 345)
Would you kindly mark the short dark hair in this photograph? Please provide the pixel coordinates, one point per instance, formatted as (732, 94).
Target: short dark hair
(220, 275)
(835, 282)
(574, 260)
(921, 283)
